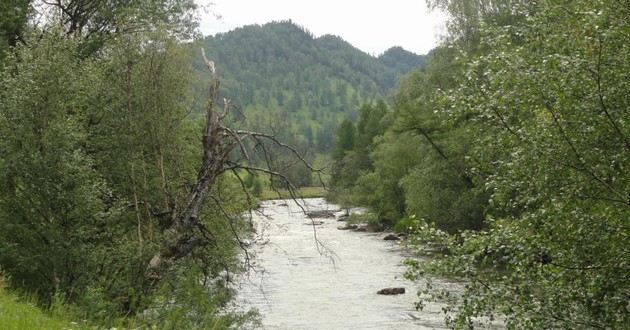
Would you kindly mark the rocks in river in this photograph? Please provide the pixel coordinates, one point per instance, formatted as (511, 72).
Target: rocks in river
(314, 223)
(282, 204)
(354, 227)
(391, 291)
(342, 217)
(321, 214)
(391, 237)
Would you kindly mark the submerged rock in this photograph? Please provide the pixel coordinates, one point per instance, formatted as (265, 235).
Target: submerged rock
(391, 291)
(391, 237)
(314, 223)
(321, 214)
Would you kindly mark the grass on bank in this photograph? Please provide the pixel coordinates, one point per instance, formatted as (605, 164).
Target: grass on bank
(305, 192)
(18, 314)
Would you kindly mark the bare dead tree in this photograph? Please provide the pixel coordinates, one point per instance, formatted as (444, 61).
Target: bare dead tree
(184, 232)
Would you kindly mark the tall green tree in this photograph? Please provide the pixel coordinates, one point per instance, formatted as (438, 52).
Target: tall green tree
(346, 137)
(52, 198)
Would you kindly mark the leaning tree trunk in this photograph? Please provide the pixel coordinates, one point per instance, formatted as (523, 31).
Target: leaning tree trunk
(181, 238)
(185, 232)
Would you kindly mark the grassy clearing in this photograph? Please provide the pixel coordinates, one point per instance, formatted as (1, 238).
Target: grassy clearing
(305, 192)
(16, 314)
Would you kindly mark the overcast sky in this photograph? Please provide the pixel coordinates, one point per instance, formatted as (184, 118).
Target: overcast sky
(370, 25)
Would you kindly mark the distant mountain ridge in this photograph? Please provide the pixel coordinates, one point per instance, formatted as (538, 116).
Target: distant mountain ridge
(280, 69)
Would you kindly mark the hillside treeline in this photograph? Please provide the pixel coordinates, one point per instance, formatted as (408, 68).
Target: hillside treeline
(300, 87)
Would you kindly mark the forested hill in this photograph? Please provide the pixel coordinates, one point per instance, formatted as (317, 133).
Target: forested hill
(281, 69)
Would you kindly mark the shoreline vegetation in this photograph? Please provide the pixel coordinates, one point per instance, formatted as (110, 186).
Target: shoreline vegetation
(507, 155)
(303, 192)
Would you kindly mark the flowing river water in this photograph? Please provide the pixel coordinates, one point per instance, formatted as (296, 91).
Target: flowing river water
(296, 283)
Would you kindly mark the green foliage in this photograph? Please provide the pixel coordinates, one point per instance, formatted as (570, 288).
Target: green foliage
(370, 125)
(352, 152)
(506, 156)
(346, 136)
(411, 160)
(257, 188)
(380, 188)
(51, 196)
(367, 218)
(300, 175)
(248, 180)
(94, 151)
(552, 152)
(185, 302)
(13, 17)
(407, 224)
(466, 16)
(98, 22)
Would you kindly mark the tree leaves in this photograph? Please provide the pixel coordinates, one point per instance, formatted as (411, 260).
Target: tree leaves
(553, 149)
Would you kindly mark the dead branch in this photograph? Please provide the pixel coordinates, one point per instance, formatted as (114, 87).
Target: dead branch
(185, 233)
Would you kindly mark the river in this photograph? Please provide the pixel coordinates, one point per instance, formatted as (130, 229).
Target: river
(297, 283)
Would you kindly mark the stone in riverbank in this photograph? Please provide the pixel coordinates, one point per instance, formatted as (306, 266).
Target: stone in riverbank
(391, 291)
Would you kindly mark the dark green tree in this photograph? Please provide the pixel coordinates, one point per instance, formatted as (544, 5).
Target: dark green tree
(346, 136)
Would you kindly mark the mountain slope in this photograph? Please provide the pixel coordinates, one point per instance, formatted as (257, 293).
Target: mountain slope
(401, 60)
(280, 71)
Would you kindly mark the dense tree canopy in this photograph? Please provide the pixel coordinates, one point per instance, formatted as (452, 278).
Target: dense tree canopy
(508, 154)
(98, 160)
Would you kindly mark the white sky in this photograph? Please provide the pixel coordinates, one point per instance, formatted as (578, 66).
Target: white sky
(370, 25)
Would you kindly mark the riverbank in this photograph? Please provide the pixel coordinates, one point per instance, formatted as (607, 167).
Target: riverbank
(304, 192)
(19, 314)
